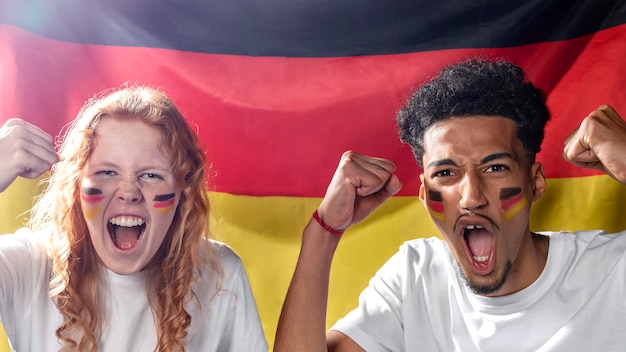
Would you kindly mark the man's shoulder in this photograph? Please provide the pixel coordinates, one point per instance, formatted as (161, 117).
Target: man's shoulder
(591, 248)
(431, 252)
(587, 238)
(424, 244)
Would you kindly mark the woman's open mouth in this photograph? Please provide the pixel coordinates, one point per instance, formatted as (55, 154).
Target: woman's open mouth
(126, 231)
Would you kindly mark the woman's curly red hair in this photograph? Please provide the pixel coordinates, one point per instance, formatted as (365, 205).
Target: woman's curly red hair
(178, 262)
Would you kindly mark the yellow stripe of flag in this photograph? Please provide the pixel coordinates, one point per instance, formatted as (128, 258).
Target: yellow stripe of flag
(265, 232)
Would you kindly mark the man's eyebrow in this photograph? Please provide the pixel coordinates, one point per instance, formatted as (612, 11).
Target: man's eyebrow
(488, 158)
(442, 162)
(496, 156)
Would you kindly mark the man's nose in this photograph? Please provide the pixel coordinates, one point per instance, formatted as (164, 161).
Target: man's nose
(472, 195)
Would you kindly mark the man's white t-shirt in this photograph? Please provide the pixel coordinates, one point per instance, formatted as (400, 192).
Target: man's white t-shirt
(226, 321)
(418, 302)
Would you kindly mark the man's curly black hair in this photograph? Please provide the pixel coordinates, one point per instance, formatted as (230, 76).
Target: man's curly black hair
(476, 87)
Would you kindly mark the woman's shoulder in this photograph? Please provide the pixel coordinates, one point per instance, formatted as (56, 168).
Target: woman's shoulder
(221, 255)
(24, 239)
(221, 263)
(24, 254)
(223, 251)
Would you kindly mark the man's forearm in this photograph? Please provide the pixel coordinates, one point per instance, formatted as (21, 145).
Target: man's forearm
(302, 324)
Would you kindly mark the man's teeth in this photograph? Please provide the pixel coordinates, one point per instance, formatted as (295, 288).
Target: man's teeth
(127, 221)
(478, 258)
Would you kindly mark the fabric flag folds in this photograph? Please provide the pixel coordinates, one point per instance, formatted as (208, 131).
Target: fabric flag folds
(278, 90)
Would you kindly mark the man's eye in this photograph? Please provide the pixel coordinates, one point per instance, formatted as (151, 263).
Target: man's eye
(497, 168)
(443, 173)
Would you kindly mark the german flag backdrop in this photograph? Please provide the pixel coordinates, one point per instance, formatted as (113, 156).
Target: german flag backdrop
(279, 89)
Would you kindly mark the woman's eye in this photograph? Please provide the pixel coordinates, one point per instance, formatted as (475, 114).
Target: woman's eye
(106, 173)
(151, 176)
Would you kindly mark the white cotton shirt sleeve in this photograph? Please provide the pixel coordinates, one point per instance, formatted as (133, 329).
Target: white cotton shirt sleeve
(26, 311)
(393, 299)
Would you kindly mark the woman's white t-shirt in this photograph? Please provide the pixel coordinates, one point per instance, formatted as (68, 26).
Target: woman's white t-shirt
(226, 321)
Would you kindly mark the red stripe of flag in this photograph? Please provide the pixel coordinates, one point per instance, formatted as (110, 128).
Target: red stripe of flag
(277, 126)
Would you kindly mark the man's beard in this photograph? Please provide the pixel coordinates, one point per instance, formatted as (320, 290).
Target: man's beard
(486, 289)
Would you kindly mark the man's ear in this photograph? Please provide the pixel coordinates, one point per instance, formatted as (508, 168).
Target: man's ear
(422, 190)
(539, 181)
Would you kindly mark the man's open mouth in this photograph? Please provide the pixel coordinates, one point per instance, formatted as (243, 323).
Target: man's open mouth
(479, 248)
(125, 231)
(479, 241)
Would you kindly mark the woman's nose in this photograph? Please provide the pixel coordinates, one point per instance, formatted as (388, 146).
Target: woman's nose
(129, 191)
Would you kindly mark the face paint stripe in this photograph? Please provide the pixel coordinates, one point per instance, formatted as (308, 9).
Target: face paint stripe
(436, 216)
(435, 201)
(164, 200)
(507, 193)
(162, 211)
(164, 204)
(90, 191)
(435, 196)
(508, 214)
(91, 213)
(506, 205)
(435, 205)
(91, 195)
(91, 199)
(513, 201)
(163, 197)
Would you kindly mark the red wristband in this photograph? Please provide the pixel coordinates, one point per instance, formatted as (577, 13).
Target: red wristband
(317, 218)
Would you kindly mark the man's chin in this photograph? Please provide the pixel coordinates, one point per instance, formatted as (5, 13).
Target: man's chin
(484, 287)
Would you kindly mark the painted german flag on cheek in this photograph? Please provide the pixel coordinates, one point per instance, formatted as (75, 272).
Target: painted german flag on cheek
(435, 204)
(91, 199)
(279, 90)
(513, 201)
(164, 203)
(91, 195)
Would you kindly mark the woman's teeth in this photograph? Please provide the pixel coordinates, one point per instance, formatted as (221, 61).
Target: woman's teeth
(127, 221)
